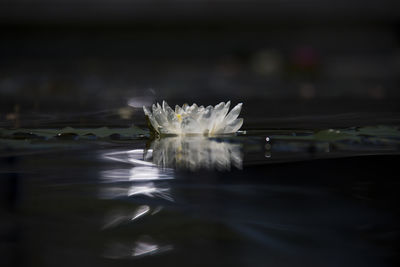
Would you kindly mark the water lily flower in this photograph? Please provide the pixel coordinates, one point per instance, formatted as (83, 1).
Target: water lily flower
(187, 120)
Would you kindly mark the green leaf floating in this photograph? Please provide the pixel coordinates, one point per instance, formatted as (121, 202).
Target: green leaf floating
(349, 134)
(81, 133)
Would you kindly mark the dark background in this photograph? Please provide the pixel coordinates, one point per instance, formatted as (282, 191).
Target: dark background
(294, 64)
(82, 62)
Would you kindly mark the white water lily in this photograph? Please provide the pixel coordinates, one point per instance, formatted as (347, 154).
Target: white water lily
(194, 119)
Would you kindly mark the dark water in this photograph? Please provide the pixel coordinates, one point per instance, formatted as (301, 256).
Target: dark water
(113, 197)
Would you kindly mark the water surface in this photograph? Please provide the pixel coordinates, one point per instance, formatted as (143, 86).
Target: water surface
(277, 197)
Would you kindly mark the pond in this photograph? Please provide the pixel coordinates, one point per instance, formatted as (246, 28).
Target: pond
(263, 197)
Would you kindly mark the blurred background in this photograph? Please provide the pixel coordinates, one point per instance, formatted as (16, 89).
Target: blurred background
(91, 63)
(308, 195)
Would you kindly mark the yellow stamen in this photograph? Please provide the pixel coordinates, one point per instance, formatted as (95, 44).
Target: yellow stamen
(179, 116)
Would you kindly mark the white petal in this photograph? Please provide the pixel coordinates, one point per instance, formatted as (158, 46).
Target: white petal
(171, 115)
(194, 106)
(185, 107)
(178, 110)
(165, 105)
(154, 123)
(233, 114)
(174, 124)
(151, 118)
(193, 112)
(234, 126)
(146, 111)
(220, 113)
(160, 117)
(219, 105)
(192, 109)
(205, 118)
(227, 105)
(189, 125)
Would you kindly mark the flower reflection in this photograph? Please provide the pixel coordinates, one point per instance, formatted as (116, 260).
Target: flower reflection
(118, 217)
(147, 248)
(134, 156)
(136, 174)
(139, 181)
(188, 152)
(151, 190)
(195, 153)
(144, 246)
(147, 176)
(142, 210)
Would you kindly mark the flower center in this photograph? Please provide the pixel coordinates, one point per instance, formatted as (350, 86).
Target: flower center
(179, 116)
